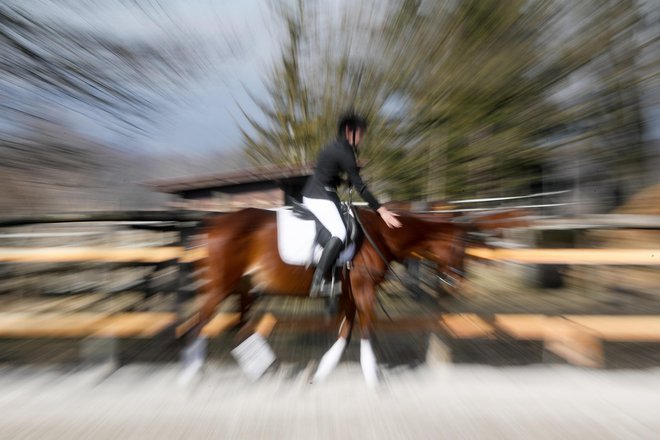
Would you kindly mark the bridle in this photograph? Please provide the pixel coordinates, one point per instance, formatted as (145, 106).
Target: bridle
(445, 277)
(448, 276)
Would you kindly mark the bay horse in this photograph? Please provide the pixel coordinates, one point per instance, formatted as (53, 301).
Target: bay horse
(243, 245)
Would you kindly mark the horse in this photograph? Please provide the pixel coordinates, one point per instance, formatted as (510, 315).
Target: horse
(243, 246)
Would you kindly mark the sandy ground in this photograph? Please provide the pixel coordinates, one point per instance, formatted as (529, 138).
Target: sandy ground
(142, 401)
(415, 400)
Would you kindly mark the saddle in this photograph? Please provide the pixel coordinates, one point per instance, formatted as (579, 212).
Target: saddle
(300, 236)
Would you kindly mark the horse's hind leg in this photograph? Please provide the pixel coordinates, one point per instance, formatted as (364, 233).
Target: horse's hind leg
(216, 290)
(332, 357)
(245, 299)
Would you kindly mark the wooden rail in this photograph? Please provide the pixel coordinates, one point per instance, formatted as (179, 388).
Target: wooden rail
(108, 216)
(650, 257)
(83, 324)
(646, 257)
(100, 254)
(97, 325)
(577, 338)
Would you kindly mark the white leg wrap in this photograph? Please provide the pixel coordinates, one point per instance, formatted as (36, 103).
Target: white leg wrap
(254, 356)
(329, 360)
(368, 362)
(193, 360)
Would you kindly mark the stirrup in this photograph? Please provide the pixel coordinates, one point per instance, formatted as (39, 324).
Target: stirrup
(325, 266)
(325, 287)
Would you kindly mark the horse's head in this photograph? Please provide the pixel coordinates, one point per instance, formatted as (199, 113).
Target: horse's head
(449, 246)
(441, 238)
(437, 238)
(445, 245)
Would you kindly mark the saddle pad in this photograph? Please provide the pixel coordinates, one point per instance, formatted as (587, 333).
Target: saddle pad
(295, 241)
(295, 238)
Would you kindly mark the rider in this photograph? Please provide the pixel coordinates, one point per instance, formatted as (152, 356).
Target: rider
(320, 192)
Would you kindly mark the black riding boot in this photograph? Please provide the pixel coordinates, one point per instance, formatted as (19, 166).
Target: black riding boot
(326, 263)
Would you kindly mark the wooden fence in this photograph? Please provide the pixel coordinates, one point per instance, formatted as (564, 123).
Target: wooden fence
(576, 338)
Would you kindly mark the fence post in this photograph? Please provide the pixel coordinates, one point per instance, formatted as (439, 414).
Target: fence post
(551, 275)
(185, 286)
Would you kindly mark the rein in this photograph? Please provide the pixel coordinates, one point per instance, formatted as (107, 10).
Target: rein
(382, 257)
(388, 267)
(380, 254)
(451, 282)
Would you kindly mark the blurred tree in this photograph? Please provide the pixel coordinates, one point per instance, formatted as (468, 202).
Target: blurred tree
(483, 92)
(291, 129)
(458, 77)
(616, 120)
(320, 74)
(47, 56)
(52, 63)
(477, 105)
(599, 72)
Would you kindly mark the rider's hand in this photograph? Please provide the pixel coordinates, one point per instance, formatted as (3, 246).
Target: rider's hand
(389, 217)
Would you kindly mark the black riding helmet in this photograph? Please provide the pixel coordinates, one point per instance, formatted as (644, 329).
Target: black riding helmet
(352, 120)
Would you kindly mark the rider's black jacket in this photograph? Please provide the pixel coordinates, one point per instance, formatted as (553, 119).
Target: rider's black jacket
(334, 158)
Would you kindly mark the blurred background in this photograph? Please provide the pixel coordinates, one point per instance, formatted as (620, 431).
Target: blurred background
(467, 99)
(173, 107)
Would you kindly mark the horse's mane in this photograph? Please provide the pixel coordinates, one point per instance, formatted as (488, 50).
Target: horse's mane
(419, 218)
(413, 223)
(487, 220)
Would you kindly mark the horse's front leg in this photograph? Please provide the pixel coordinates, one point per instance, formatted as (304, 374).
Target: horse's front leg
(347, 318)
(365, 299)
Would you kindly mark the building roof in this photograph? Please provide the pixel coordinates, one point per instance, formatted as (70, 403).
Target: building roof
(233, 178)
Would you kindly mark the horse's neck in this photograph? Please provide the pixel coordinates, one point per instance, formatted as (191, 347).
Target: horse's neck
(421, 232)
(400, 243)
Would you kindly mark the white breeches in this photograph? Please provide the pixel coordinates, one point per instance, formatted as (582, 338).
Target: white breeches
(326, 212)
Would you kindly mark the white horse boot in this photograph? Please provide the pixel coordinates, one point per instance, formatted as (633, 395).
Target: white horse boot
(193, 360)
(368, 363)
(329, 360)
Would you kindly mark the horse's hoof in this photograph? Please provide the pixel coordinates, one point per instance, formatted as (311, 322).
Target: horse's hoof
(371, 380)
(193, 360)
(254, 356)
(189, 372)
